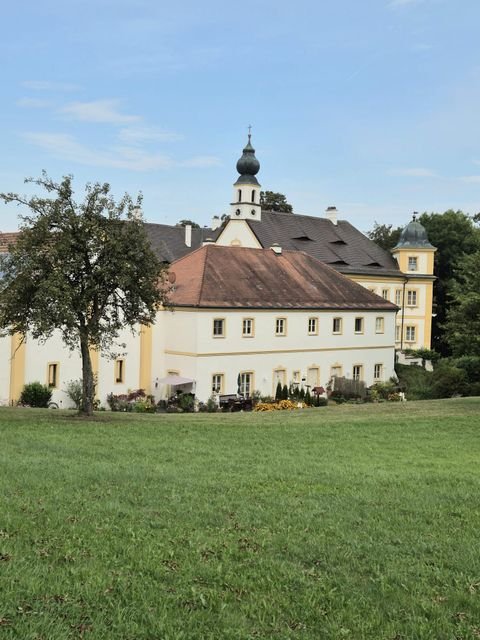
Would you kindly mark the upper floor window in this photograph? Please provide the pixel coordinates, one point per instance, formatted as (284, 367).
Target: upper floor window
(337, 325)
(379, 324)
(412, 263)
(247, 327)
(398, 297)
(312, 326)
(281, 326)
(218, 328)
(358, 325)
(411, 298)
(385, 294)
(410, 333)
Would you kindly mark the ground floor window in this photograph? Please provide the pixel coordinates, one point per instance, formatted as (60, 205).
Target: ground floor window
(410, 333)
(336, 371)
(246, 382)
(357, 372)
(313, 376)
(217, 383)
(53, 375)
(378, 372)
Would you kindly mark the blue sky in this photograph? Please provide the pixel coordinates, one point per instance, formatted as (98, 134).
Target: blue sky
(369, 105)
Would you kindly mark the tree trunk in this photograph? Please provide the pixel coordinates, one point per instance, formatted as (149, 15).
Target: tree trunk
(87, 377)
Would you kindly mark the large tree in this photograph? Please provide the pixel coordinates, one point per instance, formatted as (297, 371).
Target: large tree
(271, 201)
(85, 269)
(462, 326)
(456, 235)
(385, 235)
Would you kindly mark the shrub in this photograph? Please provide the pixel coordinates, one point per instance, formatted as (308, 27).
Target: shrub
(212, 405)
(415, 381)
(349, 389)
(308, 398)
(278, 391)
(74, 390)
(186, 402)
(448, 381)
(321, 401)
(382, 390)
(36, 394)
(284, 392)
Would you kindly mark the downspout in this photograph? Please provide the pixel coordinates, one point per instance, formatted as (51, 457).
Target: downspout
(403, 313)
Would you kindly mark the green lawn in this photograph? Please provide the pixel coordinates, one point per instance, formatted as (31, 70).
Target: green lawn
(340, 522)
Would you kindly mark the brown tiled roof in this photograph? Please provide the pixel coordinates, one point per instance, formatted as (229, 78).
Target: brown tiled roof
(237, 277)
(7, 239)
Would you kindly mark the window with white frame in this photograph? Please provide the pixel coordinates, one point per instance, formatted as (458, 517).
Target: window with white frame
(358, 325)
(296, 377)
(280, 326)
(217, 383)
(337, 325)
(246, 379)
(398, 331)
(357, 372)
(378, 372)
(336, 371)
(218, 327)
(411, 298)
(313, 376)
(385, 294)
(412, 263)
(379, 324)
(410, 333)
(247, 327)
(312, 326)
(398, 297)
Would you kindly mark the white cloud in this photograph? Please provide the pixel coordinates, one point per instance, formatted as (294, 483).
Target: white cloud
(104, 111)
(471, 179)
(67, 148)
(413, 172)
(42, 85)
(34, 103)
(138, 134)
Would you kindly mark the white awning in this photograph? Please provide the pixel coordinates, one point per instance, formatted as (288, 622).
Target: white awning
(175, 381)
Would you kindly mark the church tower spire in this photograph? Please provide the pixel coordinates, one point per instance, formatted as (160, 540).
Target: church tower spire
(246, 190)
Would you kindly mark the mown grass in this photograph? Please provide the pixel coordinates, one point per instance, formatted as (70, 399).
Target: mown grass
(343, 522)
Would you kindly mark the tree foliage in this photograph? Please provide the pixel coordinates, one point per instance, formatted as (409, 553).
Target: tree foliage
(384, 235)
(85, 269)
(271, 201)
(462, 325)
(184, 223)
(455, 235)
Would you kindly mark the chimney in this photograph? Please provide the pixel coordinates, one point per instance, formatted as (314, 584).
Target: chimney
(331, 214)
(216, 222)
(276, 248)
(188, 235)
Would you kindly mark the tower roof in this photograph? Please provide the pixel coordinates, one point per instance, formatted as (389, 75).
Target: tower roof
(413, 235)
(248, 166)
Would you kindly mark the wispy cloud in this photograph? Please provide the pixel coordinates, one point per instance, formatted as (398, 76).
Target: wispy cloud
(104, 111)
(471, 179)
(413, 172)
(66, 147)
(142, 134)
(34, 103)
(44, 85)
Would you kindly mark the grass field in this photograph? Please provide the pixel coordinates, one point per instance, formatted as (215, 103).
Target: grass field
(340, 522)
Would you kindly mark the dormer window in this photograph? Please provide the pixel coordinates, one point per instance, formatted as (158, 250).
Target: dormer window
(239, 195)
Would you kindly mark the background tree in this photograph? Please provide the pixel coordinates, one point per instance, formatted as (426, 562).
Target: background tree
(85, 269)
(455, 235)
(271, 201)
(183, 223)
(384, 235)
(462, 326)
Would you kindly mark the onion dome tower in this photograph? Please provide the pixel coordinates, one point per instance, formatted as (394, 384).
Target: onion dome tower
(413, 236)
(246, 190)
(413, 251)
